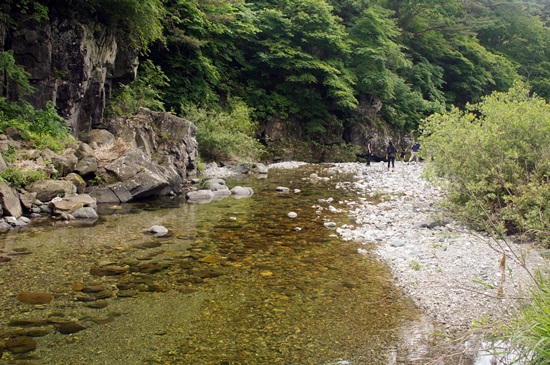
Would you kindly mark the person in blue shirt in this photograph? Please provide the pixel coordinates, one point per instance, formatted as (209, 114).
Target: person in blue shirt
(414, 152)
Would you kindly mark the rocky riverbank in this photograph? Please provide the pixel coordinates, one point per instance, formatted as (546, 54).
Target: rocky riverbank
(456, 275)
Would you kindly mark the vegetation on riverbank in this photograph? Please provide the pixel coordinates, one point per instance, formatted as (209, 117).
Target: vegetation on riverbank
(494, 160)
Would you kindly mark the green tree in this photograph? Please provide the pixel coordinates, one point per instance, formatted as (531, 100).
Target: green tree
(496, 168)
(296, 64)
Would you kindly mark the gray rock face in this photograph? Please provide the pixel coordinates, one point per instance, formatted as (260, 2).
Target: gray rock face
(46, 190)
(10, 200)
(71, 62)
(168, 139)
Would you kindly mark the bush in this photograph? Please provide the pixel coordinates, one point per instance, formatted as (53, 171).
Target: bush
(19, 178)
(144, 91)
(226, 135)
(43, 128)
(495, 161)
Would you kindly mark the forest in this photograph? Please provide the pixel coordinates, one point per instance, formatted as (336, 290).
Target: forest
(322, 67)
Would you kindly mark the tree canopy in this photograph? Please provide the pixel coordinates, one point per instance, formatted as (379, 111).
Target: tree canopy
(326, 64)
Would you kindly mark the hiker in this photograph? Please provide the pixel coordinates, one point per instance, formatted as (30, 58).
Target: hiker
(391, 151)
(370, 149)
(414, 152)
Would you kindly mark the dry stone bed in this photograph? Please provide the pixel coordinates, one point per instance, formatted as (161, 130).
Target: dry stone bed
(456, 275)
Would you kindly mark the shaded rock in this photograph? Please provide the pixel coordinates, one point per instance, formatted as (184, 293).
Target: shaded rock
(4, 226)
(21, 345)
(28, 323)
(199, 196)
(33, 332)
(83, 150)
(86, 166)
(104, 294)
(222, 193)
(98, 305)
(260, 168)
(77, 180)
(68, 328)
(110, 270)
(3, 164)
(282, 189)
(10, 200)
(93, 288)
(60, 206)
(46, 190)
(64, 164)
(100, 137)
(27, 199)
(34, 298)
(85, 213)
(215, 184)
(207, 273)
(112, 194)
(14, 222)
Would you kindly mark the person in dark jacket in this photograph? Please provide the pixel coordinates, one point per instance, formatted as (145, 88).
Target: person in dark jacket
(391, 151)
(370, 149)
(414, 153)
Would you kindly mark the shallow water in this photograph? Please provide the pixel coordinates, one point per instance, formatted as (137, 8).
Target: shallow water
(236, 281)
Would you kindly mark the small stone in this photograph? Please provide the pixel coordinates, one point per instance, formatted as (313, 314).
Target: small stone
(292, 214)
(158, 230)
(34, 298)
(282, 189)
(93, 288)
(21, 345)
(98, 305)
(108, 270)
(68, 328)
(104, 294)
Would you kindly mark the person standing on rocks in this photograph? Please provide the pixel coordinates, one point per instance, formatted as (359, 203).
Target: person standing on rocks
(414, 152)
(391, 151)
(370, 149)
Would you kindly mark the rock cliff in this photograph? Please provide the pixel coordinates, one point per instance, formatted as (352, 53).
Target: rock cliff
(72, 62)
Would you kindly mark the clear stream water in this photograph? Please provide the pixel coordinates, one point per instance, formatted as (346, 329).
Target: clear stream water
(236, 281)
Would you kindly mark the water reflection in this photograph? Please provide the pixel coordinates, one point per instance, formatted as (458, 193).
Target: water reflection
(236, 281)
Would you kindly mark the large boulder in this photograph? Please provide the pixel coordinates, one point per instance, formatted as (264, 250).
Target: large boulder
(46, 190)
(10, 200)
(138, 174)
(169, 140)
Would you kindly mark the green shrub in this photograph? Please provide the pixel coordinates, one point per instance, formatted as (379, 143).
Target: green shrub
(144, 91)
(20, 178)
(42, 128)
(494, 158)
(226, 135)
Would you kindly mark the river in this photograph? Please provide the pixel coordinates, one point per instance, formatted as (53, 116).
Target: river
(235, 281)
